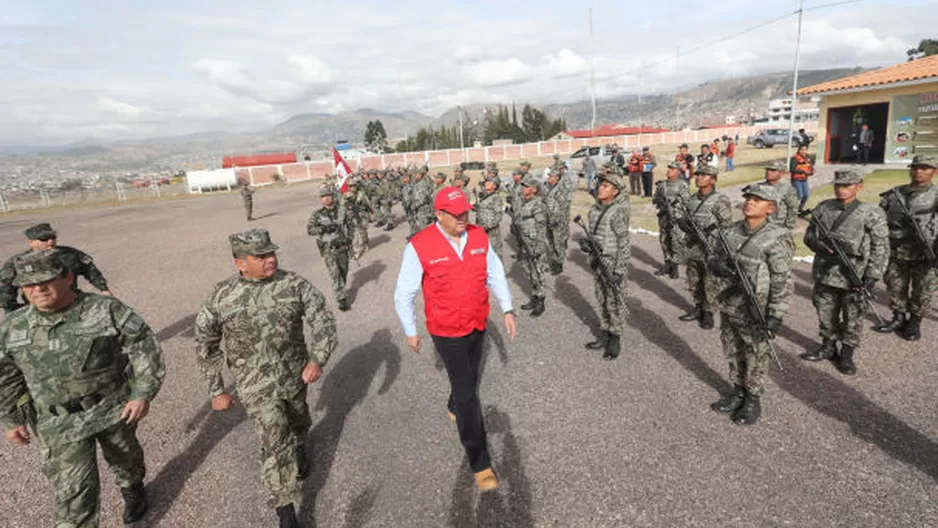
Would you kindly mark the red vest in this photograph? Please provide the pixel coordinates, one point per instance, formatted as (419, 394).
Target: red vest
(455, 296)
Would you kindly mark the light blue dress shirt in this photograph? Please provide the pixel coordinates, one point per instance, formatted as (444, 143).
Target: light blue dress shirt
(411, 277)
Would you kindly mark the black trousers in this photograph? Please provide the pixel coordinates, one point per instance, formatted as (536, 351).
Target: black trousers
(462, 357)
(865, 153)
(647, 183)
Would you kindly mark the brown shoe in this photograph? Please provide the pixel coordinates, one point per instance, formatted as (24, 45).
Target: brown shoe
(486, 480)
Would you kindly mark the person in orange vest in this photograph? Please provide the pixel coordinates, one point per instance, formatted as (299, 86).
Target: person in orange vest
(687, 159)
(715, 147)
(635, 173)
(801, 169)
(730, 155)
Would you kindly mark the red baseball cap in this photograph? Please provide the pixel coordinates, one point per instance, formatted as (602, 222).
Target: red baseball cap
(452, 200)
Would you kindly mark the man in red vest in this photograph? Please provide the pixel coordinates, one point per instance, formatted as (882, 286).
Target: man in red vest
(455, 265)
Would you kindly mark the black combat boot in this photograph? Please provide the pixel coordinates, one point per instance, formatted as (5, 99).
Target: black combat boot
(664, 269)
(344, 305)
(748, 413)
(555, 269)
(693, 315)
(135, 502)
(675, 271)
(845, 360)
(379, 224)
(827, 350)
(538, 308)
(600, 342)
(302, 462)
(913, 329)
(896, 325)
(389, 227)
(287, 516)
(730, 403)
(612, 347)
(706, 320)
(532, 302)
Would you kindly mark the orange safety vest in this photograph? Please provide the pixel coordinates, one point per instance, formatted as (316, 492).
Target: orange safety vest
(802, 164)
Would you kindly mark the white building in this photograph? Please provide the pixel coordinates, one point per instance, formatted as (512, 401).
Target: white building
(780, 110)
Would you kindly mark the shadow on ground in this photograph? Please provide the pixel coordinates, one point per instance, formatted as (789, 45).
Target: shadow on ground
(362, 276)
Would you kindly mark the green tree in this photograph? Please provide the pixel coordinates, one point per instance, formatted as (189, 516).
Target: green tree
(926, 48)
(376, 138)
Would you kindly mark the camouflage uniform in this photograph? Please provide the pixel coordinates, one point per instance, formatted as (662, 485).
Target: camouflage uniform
(708, 211)
(489, 211)
(78, 262)
(258, 323)
(786, 213)
(331, 226)
(860, 230)
(423, 195)
(558, 224)
(407, 202)
(609, 225)
(247, 195)
(531, 231)
(79, 366)
(358, 209)
(670, 235)
(460, 176)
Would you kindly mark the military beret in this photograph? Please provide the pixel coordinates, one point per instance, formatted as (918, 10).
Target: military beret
(38, 266)
(847, 177)
(615, 179)
(530, 180)
(925, 161)
(709, 170)
(254, 242)
(766, 192)
(39, 231)
(776, 165)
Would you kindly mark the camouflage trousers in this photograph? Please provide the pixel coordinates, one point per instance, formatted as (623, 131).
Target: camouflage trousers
(534, 267)
(383, 212)
(557, 238)
(701, 283)
(495, 239)
(359, 240)
(747, 352)
(413, 223)
(671, 239)
(249, 209)
(840, 314)
(911, 285)
(337, 263)
(72, 469)
(612, 312)
(281, 425)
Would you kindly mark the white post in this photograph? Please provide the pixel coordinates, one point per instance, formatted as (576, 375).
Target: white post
(4, 205)
(794, 87)
(250, 176)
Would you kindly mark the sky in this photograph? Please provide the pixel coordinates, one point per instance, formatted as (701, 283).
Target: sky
(133, 69)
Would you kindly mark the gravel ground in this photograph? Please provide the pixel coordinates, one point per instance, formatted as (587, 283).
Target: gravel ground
(577, 441)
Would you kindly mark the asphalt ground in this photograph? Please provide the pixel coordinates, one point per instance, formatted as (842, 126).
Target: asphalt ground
(577, 441)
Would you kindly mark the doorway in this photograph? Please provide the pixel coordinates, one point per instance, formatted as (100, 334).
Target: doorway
(843, 132)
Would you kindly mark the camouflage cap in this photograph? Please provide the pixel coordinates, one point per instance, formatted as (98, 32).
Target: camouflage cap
(38, 266)
(925, 161)
(777, 165)
(254, 242)
(614, 179)
(440, 175)
(422, 170)
(847, 177)
(353, 181)
(38, 231)
(530, 180)
(326, 190)
(525, 163)
(554, 171)
(461, 177)
(517, 172)
(458, 170)
(709, 170)
(372, 172)
(675, 164)
(766, 192)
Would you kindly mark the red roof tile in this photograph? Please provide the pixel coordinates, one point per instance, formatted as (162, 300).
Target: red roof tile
(924, 68)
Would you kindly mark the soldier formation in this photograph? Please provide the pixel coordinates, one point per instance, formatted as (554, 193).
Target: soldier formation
(53, 388)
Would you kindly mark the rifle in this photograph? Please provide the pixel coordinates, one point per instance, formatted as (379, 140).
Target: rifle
(605, 276)
(695, 227)
(849, 269)
(750, 294)
(27, 410)
(923, 241)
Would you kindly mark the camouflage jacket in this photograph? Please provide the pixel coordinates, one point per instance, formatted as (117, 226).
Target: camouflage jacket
(609, 225)
(513, 191)
(666, 193)
(863, 236)
(556, 201)
(765, 256)
(714, 209)
(331, 227)
(407, 196)
(786, 210)
(922, 202)
(256, 328)
(422, 196)
(80, 366)
(357, 207)
(489, 211)
(531, 222)
(79, 262)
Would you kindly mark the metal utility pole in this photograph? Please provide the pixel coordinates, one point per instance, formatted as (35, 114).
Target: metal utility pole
(794, 87)
(462, 144)
(592, 73)
(677, 104)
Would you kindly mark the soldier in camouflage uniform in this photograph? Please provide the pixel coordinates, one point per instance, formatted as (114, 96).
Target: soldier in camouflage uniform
(357, 209)
(609, 227)
(370, 186)
(461, 182)
(247, 195)
(525, 167)
(382, 200)
(531, 232)
(330, 225)
(253, 323)
(423, 195)
(911, 279)
(761, 248)
(708, 209)
(861, 232)
(670, 198)
(41, 237)
(78, 371)
(513, 190)
(788, 201)
(489, 211)
(407, 202)
(439, 183)
(558, 222)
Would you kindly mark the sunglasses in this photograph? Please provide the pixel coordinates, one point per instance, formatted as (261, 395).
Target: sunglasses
(45, 238)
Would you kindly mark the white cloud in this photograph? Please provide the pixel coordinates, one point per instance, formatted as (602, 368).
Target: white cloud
(498, 72)
(118, 109)
(564, 63)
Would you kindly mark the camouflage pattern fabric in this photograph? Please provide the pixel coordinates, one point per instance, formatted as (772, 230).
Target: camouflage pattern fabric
(910, 281)
(670, 235)
(489, 212)
(79, 262)
(609, 225)
(532, 232)
(247, 195)
(423, 195)
(358, 209)
(330, 226)
(786, 209)
(714, 209)
(384, 197)
(911, 286)
(255, 327)
(558, 223)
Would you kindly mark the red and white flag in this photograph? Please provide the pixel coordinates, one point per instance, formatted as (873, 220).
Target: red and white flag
(342, 170)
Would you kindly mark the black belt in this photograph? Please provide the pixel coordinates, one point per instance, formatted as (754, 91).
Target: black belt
(76, 405)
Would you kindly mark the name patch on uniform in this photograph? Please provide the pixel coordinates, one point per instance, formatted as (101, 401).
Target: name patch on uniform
(441, 259)
(19, 337)
(477, 251)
